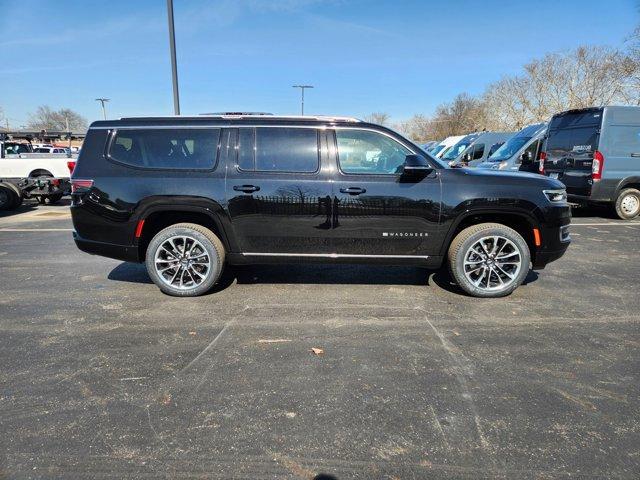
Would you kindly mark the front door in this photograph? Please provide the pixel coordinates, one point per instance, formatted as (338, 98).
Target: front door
(278, 196)
(378, 210)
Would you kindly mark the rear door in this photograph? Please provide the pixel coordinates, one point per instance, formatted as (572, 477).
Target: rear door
(378, 211)
(278, 196)
(572, 139)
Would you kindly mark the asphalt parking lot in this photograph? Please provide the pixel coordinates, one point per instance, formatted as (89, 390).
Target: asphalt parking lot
(104, 376)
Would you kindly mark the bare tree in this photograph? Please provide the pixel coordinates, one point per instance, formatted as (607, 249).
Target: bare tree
(380, 118)
(418, 128)
(47, 119)
(585, 77)
(465, 114)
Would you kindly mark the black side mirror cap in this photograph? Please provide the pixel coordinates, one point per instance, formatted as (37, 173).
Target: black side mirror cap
(416, 164)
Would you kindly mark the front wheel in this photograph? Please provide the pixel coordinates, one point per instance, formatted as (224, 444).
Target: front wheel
(185, 260)
(628, 204)
(489, 260)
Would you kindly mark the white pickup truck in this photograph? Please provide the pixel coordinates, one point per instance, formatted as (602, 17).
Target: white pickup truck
(33, 165)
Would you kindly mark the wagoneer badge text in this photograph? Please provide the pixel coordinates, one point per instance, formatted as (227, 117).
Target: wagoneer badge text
(405, 234)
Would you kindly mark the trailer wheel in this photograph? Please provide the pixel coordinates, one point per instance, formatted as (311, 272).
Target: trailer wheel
(18, 194)
(8, 198)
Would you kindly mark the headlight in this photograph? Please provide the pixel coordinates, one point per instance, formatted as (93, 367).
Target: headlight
(556, 196)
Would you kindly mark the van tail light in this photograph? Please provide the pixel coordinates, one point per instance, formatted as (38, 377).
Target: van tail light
(80, 186)
(597, 166)
(71, 165)
(543, 157)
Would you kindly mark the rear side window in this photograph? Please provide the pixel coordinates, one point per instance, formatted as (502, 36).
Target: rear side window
(180, 148)
(278, 149)
(623, 140)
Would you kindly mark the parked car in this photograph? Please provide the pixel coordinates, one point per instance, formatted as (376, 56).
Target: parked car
(444, 145)
(475, 148)
(50, 150)
(521, 152)
(186, 195)
(428, 145)
(595, 152)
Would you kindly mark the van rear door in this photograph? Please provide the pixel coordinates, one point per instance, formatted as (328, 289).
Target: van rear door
(572, 139)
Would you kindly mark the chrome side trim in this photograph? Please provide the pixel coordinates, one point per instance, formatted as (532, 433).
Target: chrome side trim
(329, 255)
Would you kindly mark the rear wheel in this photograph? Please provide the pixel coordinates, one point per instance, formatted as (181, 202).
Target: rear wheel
(628, 203)
(18, 198)
(489, 260)
(185, 259)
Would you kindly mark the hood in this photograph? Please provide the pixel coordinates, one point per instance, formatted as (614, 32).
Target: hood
(514, 178)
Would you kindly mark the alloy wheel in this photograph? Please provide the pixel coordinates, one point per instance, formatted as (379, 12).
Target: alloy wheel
(492, 263)
(182, 262)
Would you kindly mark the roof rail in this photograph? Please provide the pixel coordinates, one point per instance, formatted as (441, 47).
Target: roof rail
(261, 116)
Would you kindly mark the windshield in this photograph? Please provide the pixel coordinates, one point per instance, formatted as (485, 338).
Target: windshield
(435, 150)
(456, 150)
(508, 149)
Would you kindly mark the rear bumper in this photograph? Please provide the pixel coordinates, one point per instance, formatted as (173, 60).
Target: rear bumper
(127, 253)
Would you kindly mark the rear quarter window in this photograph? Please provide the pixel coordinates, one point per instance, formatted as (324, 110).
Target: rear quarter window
(623, 140)
(161, 148)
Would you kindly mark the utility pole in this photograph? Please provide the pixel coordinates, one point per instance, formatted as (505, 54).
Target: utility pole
(174, 65)
(302, 88)
(104, 110)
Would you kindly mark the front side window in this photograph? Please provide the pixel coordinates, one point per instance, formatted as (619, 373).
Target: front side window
(478, 151)
(278, 149)
(367, 152)
(180, 148)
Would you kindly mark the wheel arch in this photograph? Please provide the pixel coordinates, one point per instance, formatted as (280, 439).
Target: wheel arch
(628, 182)
(521, 221)
(158, 214)
(40, 172)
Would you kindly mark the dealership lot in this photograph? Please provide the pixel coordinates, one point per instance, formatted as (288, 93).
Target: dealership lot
(103, 375)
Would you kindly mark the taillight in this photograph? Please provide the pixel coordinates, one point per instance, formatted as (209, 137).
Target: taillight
(596, 166)
(71, 165)
(79, 186)
(543, 157)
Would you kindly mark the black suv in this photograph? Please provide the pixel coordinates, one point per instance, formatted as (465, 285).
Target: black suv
(188, 194)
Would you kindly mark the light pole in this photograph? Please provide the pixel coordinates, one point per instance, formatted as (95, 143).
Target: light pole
(104, 110)
(302, 88)
(174, 65)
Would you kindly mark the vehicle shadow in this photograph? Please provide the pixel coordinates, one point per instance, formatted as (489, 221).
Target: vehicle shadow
(31, 205)
(602, 211)
(343, 274)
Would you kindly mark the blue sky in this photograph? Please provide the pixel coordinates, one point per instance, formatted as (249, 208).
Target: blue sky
(400, 57)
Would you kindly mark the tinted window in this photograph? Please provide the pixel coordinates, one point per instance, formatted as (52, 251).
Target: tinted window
(478, 151)
(363, 151)
(623, 140)
(166, 148)
(279, 150)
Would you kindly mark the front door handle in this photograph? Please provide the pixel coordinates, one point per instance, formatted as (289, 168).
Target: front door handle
(353, 190)
(246, 188)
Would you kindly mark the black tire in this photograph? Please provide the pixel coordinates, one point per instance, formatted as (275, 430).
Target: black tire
(628, 204)
(8, 198)
(207, 245)
(17, 201)
(507, 279)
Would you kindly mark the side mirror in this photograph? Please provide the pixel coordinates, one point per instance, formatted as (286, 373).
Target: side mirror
(414, 164)
(526, 158)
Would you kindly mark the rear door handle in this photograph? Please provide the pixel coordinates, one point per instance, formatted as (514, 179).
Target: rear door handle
(246, 188)
(353, 190)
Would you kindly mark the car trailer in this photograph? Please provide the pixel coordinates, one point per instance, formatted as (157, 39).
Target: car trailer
(46, 190)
